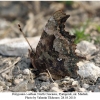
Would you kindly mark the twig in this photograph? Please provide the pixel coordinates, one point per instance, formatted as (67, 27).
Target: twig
(50, 75)
(18, 59)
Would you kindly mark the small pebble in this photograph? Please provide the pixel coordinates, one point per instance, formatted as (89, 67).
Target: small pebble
(82, 90)
(72, 80)
(19, 76)
(7, 88)
(44, 78)
(26, 71)
(75, 83)
(67, 78)
(64, 82)
(7, 77)
(43, 91)
(96, 89)
(98, 79)
(44, 88)
(2, 83)
(35, 89)
(99, 86)
(30, 85)
(32, 81)
(53, 85)
(30, 91)
(3, 75)
(1, 78)
(45, 84)
(55, 89)
(17, 81)
(8, 83)
(1, 88)
(21, 87)
(85, 86)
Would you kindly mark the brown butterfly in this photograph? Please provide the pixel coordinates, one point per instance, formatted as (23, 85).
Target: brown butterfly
(56, 49)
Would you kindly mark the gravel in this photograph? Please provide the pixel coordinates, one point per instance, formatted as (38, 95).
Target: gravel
(55, 89)
(88, 70)
(85, 86)
(75, 83)
(21, 77)
(1, 88)
(17, 81)
(26, 71)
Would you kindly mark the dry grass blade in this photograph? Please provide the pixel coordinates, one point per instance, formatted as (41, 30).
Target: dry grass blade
(17, 60)
(50, 75)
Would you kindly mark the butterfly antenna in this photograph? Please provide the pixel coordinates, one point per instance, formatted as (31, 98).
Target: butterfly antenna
(24, 36)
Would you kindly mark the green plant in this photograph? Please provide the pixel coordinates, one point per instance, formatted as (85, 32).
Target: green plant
(97, 40)
(98, 28)
(68, 3)
(80, 33)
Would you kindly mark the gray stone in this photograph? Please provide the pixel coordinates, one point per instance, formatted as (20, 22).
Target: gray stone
(45, 83)
(88, 70)
(67, 78)
(75, 83)
(19, 76)
(26, 71)
(22, 87)
(1, 88)
(72, 80)
(91, 88)
(44, 88)
(7, 88)
(85, 86)
(97, 89)
(65, 82)
(3, 75)
(55, 89)
(43, 77)
(30, 85)
(7, 77)
(17, 46)
(43, 91)
(8, 83)
(86, 49)
(2, 83)
(82, 90)
(17, 81)
(53, 85)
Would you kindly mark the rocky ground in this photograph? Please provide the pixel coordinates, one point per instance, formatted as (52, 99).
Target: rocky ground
(16, 71)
